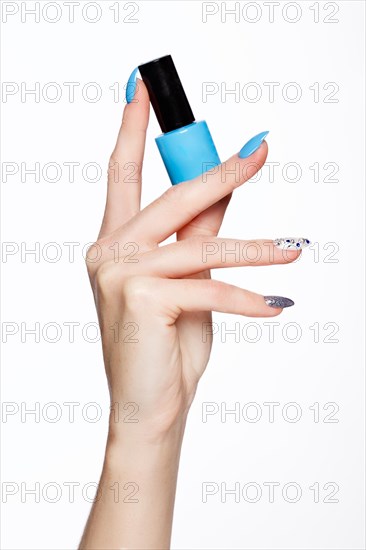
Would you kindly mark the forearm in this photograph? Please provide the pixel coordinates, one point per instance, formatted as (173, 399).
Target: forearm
(135, 500)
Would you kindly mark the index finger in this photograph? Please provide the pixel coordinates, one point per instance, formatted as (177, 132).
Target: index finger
(124, 174)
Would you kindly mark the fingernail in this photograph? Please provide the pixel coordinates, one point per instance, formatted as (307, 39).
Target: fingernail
(288, 243)
(131, 86)
(278, 301)
(252, 145)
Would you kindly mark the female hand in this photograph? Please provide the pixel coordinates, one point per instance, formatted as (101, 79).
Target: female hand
(153, 303)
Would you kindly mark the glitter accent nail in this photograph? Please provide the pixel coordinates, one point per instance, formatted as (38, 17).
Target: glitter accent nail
(278, 301)
(288, 243)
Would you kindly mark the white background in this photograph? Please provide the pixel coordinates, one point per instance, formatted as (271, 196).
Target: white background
(326, 283)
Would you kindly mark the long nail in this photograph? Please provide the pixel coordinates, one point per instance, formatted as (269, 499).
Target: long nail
(131, 86)
(278, 301)
(292, 243)
(252, 145)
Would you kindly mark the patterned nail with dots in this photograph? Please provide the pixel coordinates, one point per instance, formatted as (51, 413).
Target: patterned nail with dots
(292, 244)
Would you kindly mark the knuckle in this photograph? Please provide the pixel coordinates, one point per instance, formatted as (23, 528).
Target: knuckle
(194, 243)
(114, 168)
(198, 245)
(106, 279)
(173, 195)
(93, 257)
(113, 161)
(137, 291)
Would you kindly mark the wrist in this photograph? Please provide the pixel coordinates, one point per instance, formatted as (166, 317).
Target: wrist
(145, 434)
(132, 422)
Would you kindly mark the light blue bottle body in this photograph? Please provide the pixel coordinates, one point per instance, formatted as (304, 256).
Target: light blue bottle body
(188, 152)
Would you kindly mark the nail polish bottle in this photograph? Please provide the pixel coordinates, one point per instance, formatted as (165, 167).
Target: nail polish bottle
(186, 146)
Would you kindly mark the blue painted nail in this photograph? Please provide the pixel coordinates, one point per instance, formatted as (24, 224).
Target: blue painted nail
(252, 145)
(131, 86)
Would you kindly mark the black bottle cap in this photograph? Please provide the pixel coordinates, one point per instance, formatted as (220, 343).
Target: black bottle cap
(166, 93)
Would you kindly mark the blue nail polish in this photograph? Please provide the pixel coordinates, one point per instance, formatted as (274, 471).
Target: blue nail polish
(186, 146)
(252, 145)
(131, 86)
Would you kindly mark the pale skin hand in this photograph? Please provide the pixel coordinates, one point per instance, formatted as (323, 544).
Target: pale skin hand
(166, 298)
